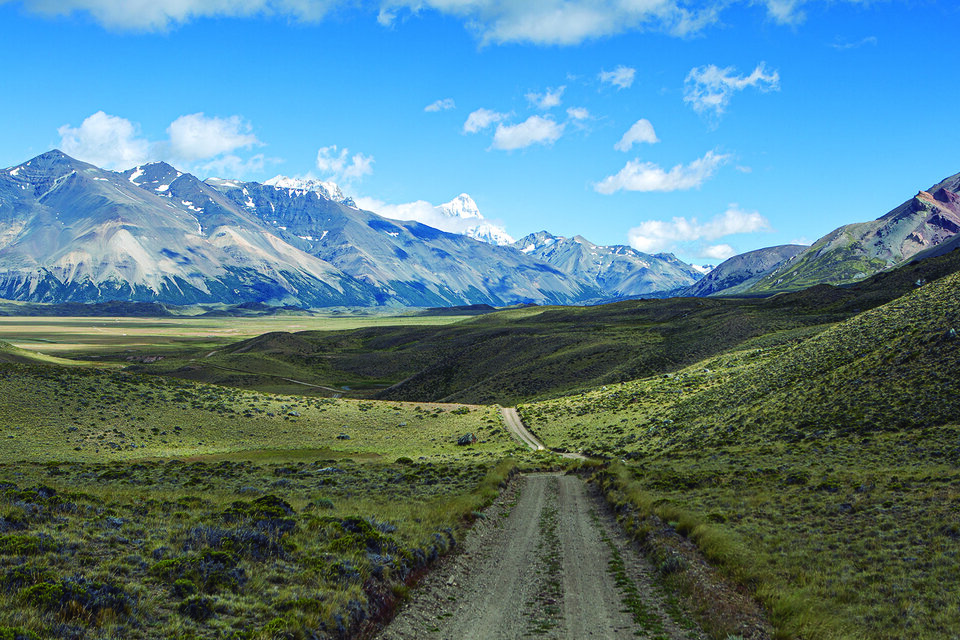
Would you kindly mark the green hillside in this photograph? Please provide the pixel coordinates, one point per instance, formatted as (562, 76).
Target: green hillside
(519, 355)
(823, 474)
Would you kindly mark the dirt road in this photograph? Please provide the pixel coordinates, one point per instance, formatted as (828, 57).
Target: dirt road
(515, 426)
(546, 561)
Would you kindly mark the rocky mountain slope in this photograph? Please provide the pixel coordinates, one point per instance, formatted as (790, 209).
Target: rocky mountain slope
(739, 273)
(617, 270)
(71, 232)
(856, 251)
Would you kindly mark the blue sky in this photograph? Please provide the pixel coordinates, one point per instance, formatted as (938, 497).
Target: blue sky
(701, 128)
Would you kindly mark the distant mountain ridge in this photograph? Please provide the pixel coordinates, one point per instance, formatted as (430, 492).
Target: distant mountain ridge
(924, 226)
(856, 251)
(739, 273)
(71, 232)
(618, 270)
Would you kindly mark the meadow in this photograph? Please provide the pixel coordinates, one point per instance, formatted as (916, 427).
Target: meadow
(136, 507)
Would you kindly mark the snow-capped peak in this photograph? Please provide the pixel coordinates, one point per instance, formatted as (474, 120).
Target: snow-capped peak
(462, 206)
(326, 189)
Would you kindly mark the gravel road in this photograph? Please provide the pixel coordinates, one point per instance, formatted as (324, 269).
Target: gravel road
(547, 560)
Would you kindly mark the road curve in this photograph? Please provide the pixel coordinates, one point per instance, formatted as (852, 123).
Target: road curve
(515, 426)
(550, 563)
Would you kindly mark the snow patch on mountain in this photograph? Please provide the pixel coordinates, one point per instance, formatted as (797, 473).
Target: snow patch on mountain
(302, 186)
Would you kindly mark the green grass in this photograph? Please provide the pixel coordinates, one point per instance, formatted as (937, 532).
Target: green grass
(823, 473)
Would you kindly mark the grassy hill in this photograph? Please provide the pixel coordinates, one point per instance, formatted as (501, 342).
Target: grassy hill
(518, 355)
(823, 474)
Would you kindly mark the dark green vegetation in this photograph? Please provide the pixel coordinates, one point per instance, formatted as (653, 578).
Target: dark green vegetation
(821, 472)
(537, 352)
(223, 550)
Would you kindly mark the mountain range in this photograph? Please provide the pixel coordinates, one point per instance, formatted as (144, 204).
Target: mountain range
(924, 226)
(72, 232)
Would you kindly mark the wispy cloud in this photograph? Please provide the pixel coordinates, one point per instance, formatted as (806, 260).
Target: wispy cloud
(621, 77)
(641, 132)
(533, 130)
(440, 105)
(546, 100)
(662, 235)
(647, 176)
(710, 88)
(338, 165)
(481, 119)
(577, 113)
(846, 46)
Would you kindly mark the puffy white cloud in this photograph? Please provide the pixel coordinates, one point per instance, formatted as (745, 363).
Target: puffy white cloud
(440, 105)
(647, 176)
(641, 132)
(195, 136)
(153, 15)
(107, 141)
(547, 100)
(533, 130)
(718, 252)
(340, 166)
(481, 119)
(710, 88)
(577, 113)
(651, 236)
(621, 77)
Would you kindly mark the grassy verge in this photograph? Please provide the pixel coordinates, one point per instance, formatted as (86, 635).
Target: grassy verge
(841, 542)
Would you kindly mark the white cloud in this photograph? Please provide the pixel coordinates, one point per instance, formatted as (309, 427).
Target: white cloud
(846, 46)
(428, 214)
(533, 130)
(547, 100)
(440, 105)
(578, 113)
(560, 22)
(718, 252)
(710, 88)
(647, 176)
(152, 15)
(340, 166)
(621, 77)
(234, 166)
(659, 235)
(107, 141)
(196, 137)
(786, 11)
(641, 132)
(481, 119)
